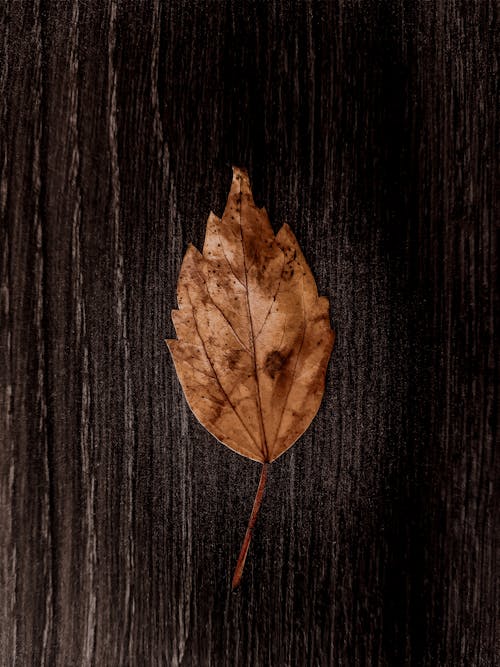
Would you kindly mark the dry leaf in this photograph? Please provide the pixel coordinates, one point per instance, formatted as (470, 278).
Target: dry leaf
(253, 336)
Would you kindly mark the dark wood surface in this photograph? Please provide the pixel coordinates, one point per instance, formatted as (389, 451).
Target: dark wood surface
(368, 126)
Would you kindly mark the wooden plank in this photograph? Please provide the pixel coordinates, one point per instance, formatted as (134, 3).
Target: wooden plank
(370, 128)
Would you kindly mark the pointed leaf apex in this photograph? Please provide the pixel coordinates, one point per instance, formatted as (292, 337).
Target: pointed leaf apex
(240, 172)
(241, 182)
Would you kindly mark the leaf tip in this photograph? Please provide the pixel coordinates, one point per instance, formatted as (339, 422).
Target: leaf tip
(239, 172)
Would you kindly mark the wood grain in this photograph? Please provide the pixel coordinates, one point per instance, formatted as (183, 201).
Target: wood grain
(371, 128)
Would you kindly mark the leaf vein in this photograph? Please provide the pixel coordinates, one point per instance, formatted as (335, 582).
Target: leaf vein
(219, 382)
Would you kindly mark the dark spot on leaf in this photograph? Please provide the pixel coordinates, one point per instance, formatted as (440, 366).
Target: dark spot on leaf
(233, 359)
(274, 363)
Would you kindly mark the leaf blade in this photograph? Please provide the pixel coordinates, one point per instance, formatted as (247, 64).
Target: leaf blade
(254, 337)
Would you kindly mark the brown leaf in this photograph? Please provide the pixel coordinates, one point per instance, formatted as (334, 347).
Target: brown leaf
(253, 336)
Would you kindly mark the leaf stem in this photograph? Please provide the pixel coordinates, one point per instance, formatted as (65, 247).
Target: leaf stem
(251, 523)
